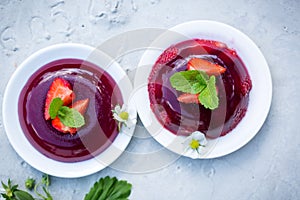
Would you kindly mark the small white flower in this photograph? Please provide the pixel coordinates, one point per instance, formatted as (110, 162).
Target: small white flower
(195, 142)
(121, 115)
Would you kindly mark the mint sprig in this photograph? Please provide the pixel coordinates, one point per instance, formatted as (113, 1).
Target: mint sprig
(197, 82)
(70, 117)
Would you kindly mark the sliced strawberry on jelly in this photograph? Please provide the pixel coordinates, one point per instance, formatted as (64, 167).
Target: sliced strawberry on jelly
(168, 55)
(59, 88)
(81, 106)
(188, 98)
(206, 66)
(58, 125)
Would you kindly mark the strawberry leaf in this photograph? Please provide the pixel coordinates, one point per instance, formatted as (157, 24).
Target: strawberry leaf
(109, 189)
(55, 105)
(23, 195)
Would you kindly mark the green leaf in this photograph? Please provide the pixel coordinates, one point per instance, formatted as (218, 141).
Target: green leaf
(208, 97)
(70, 117)
(5, 196)
(184, 80)
(202, 77)
(197, 88)
(54, 107)
(109, 189)
(22, 195)
(4, 186)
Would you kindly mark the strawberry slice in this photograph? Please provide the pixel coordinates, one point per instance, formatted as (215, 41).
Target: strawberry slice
(59, 88)
(58, 125)
(80, 106)
(188, 98)
(206, 66)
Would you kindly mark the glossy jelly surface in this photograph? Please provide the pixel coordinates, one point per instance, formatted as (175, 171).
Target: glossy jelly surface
(233, 90)
(87, 81)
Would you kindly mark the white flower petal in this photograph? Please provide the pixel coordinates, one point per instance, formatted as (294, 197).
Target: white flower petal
(117, 109)
(187, 141)
(123, 108)
(200, 137)
(197, 135)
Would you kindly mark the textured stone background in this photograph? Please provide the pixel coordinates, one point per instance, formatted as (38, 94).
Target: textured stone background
(266, 168)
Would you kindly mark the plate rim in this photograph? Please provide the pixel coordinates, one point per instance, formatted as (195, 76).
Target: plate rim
(54, 167)
(183, 29)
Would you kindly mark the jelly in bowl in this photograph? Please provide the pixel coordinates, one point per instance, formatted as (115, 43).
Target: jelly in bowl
(234, 86)
(244, 88)
(93, 76)
(87, 81)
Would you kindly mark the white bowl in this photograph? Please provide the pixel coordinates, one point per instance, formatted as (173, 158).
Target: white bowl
(260, 95)
(11, 119)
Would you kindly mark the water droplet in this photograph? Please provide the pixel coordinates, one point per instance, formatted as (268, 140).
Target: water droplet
(56, 4)
(96, 11)
(285, 28)
(38, 29)
(115, 7)
(24, 164)
(133, 5)
(178, 169)
(8, 40)
(209, 172)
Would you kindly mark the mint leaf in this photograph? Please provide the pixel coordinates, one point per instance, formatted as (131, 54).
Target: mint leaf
(197, 88)
(197, 82)
(183, 81)
(54, 107)
(109, 189)
(202, 77)
(70, 117)
(208, 97)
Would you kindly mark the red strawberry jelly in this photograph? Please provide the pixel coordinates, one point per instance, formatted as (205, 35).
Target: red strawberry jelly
(233, 89)
(87, 81)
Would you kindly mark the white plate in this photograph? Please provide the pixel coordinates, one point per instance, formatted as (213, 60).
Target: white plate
(260, 95)
(11, 120)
